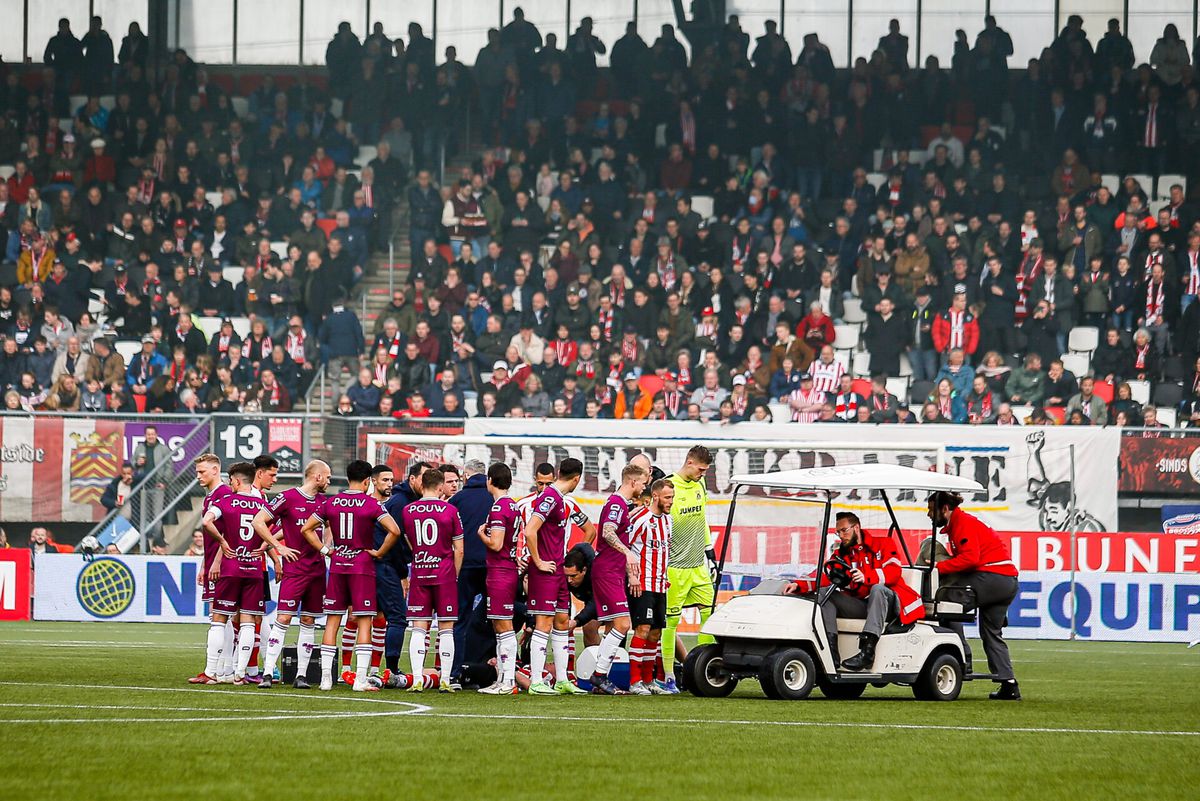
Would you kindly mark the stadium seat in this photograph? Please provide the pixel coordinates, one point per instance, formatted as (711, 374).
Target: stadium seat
(842, 356)
(543, 202)
(780, 412)
(209, 325)
(862, 364)
(280, 249)
(241, 106)
(917, 157)
(327, 225)
(365, 154)
(1078, 364)
(1022, 411)
(862, 386)
(1056, 413)
(233, 274)
(852, 311)
(1001, 130)
(108, 102)
(877, 159)
(1104, 391)
(95, 305)
(241, 326)
(1168, 394)
(1168, 416)
(6, 171)
(336, 106)
(139, 403)
(876, 179)
(846, 337)
(1173, 369)
(660, 135)
(214, 198)
(898, 386)
(703, 205)
(1162, 190)
(1083, 339)
(1140, 391)
(128, 348)
(905, 366)
(76, 102)
(1110, 182)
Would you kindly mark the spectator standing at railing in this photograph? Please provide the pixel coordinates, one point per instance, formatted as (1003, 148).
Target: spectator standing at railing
(117, 492)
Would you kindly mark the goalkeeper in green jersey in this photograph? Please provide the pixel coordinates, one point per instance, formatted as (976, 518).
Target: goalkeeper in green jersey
(691, 562)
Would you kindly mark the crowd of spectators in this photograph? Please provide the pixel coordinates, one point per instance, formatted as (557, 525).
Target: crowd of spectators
(570, 273)
(126, 206)
(740, 234)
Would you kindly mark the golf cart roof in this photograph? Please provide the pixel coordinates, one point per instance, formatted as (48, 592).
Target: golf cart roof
(859, 477)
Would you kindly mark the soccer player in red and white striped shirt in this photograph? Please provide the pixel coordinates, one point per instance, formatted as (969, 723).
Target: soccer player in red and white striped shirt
(650, 541)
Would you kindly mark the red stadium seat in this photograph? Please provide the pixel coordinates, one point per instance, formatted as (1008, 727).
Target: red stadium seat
(862, 386)
(446, 253)
(1057, 413)
(328, 225)
(139, 401)
(1104, 391)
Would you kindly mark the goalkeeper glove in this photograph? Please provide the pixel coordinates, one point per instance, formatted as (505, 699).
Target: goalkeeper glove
(711, 555)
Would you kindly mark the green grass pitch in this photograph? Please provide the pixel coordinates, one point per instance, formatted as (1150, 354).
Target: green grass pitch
(101, 711)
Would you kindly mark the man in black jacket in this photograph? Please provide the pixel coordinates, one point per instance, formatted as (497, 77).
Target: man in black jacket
(886, 336)
(999, 295)
(217, 298)
(186, 334)
(425, 211)
(473, 503)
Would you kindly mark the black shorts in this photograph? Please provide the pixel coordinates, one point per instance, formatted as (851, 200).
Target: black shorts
(649, 608)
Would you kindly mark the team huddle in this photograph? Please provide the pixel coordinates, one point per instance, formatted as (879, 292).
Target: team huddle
(344, 555)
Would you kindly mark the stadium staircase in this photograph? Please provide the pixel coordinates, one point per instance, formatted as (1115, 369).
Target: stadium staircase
(372, 296)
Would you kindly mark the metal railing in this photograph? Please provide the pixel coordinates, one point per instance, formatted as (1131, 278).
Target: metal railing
(159, 496)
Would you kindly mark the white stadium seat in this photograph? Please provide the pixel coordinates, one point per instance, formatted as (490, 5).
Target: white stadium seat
(1140, 391)
(1110, 182)
(1083, 339)
(703, 205)
(209, 325)
(214, 198)
(852, 311)
(1167, 416)
(1078, 364)
(876, 180)
(280, 249)
(241, 326)
(6, 170)
(899, 387)
(241, 106)
(862, 364)
(128, 348)
(1165, 182)
(846, 337)
(233, 274)
(365, 154)
(1145, 181)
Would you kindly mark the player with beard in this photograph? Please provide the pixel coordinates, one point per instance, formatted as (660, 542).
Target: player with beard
(549, 598)
(239, 592)
(349, 520)
(303, 588)
(615, 573)
(266, 470)
(650, 540)
(208, 476)
(434, 532)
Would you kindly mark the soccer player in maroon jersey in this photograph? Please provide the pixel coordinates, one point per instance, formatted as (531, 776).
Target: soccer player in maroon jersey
(650, 541)
(349, 520)
(266, 470)
(615, 568)
(499, 534)
(208, 476)
(303, 587)
(240, 587)
(434, 532)
(549, 600)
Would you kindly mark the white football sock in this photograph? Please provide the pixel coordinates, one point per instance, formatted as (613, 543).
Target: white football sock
(558, 641)
(328, 653)
(245, 647)
(506, 657)
(274, 647)
(446, 649)
(216, 641)
(304, 649)
(225, 666)
(608, 649)
(362, 662)
(537, 654)
(418, 641)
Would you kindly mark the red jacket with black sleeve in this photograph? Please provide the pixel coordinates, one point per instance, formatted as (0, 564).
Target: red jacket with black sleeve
(974, 546)
(879, 560)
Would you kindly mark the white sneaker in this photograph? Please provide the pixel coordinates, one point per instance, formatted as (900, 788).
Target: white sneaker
(326, 683)
(638, 688)
(655, 689)
(226, 678)
(499, 689)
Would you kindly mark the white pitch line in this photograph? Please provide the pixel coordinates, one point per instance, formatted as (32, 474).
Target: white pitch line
(237, 719)
(814, 724)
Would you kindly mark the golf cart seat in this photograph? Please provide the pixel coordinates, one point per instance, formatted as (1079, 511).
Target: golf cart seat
(943, 604)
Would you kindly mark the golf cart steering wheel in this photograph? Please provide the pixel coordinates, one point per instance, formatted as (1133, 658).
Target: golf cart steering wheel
(837, 570)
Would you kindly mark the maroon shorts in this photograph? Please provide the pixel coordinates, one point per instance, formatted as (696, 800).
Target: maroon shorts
(548, 593)
(430, 599)
(608, 588)
(209, 592)
(240, 594)
(302, 593)
(502, 593)
(350, 592)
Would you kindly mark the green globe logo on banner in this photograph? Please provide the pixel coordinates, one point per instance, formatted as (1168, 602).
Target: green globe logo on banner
(105, 587)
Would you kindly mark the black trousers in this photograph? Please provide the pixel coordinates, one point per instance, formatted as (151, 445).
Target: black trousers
(994, 594)
(472, 585)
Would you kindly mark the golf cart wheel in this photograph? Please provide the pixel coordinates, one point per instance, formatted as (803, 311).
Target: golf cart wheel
(940, 680)
(788, 674)
(841, 692)
(706, 673)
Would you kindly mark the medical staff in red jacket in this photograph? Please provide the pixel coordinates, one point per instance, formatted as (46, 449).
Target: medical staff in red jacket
(981, 560)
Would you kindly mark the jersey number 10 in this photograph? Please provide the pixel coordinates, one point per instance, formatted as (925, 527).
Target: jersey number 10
(426, 531)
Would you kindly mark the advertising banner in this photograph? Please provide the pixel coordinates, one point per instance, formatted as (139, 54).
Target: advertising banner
(1160, 465)
(135, 589)
(238, 439)
(173, 434)
(1025, 472)
(14, 584)
(1181, 520)
(56, 468)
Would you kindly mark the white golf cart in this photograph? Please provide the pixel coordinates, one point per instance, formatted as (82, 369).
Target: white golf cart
(780, 640)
